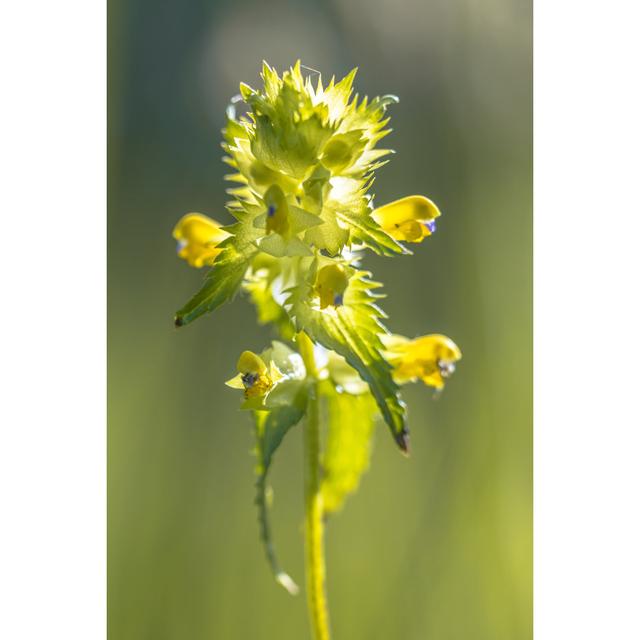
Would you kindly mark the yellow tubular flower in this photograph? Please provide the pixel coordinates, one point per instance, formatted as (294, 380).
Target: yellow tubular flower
(331, 283)
(253, 376)
(409, 219)
(198, 237)
(429, 358)
(277, 211)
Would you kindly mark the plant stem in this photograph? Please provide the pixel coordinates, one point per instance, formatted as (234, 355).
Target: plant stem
(314, 523)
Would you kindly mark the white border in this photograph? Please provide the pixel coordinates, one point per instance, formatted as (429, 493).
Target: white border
(52, 321)
(587, 452)
(52, 332)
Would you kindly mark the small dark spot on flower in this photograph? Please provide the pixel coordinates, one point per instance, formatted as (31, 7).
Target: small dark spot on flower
(446, 368)
(338, 300)
(249, 379)
(431, 225)
(271, 211)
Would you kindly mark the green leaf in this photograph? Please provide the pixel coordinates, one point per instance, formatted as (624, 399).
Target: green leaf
(270, 429)
(221, 284)
(352, 330)
(351, 421)
(329, 236)
(278, 247)
(368, 232)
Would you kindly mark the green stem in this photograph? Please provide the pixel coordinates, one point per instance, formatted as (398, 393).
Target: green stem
(314, 522)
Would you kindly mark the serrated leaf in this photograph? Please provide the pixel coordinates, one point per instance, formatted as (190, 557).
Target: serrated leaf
(221, 283)
(278, 247)
(350, 209)
(270, 429)
(369, 233)
(351, 422)
(329, 236)
(352, 330)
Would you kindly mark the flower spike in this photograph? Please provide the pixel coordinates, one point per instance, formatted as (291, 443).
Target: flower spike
(303, 159)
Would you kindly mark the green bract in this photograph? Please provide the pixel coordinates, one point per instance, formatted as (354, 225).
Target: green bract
(303, 160)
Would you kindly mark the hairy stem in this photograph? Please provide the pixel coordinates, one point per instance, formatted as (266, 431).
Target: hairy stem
(314, 524)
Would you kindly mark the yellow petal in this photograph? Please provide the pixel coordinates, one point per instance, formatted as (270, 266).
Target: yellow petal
(407, 219)
(199, 229)
(410, 231)
(259, 387)
(274, 373)
(249, 362)
(235, 382)
(429, 358)
(198, 237)
(331, 283)
(198, 256)
(253, 376)
(436, 347)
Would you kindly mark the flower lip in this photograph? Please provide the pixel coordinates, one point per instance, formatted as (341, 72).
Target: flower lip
(198, 237)
(249, 379)
(446, 368)
(428, 358)
(409, 219)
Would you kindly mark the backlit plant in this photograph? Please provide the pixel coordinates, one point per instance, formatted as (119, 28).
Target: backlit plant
(303, 161)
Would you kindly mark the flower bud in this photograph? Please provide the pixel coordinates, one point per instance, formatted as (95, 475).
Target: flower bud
(331, 283)
(277, 211)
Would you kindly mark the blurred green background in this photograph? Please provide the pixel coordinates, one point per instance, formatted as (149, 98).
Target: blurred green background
(438, 546)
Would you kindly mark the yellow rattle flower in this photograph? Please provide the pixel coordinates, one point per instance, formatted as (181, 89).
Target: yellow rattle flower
(198, 237)
(331, 283)
(254, 377)
(429, 358)
(277, 211)
(409, 219)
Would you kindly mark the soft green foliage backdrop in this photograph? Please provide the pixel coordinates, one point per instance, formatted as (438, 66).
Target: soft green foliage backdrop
(437, 546)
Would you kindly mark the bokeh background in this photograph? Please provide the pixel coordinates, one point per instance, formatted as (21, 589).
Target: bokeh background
(438, 546)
